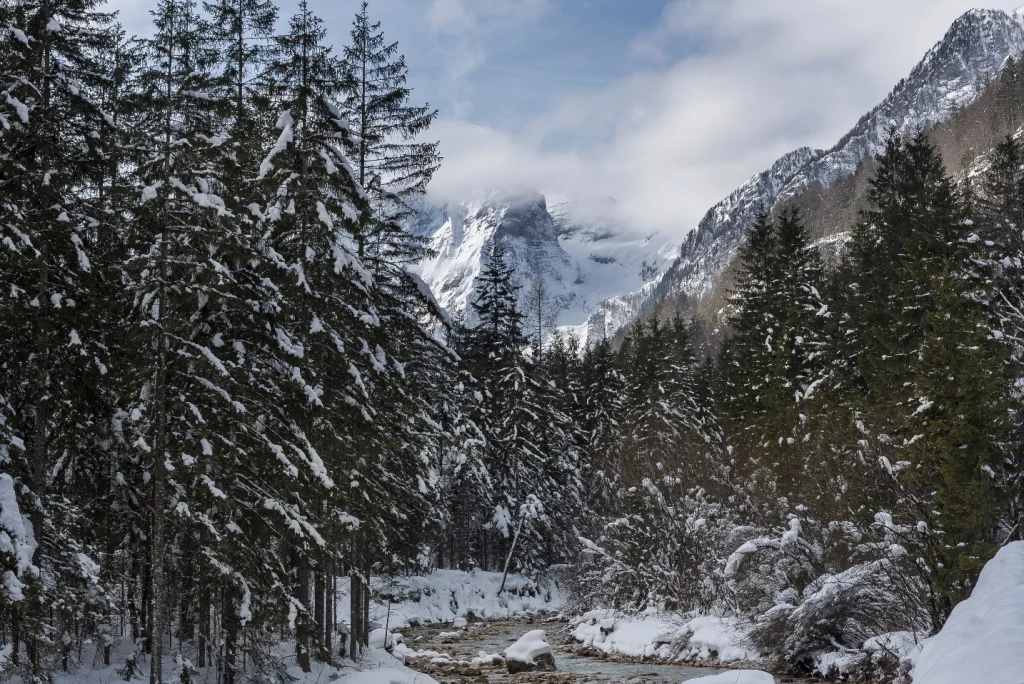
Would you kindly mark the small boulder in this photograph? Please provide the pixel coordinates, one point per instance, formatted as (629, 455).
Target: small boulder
(531, 653)
(460, 623)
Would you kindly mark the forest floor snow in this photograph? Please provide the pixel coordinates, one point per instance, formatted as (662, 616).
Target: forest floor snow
(444, 596)
(375, 666)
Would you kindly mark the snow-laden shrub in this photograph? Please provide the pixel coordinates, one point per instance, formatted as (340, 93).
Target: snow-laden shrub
(817, 593)
(661, 551)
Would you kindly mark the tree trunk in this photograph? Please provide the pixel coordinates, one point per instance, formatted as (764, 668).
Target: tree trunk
(303, 624)
(365, 622)
(319, 611)
(355, 601)
(511, 550)
(329, 599)
(230, 621)
(204, 615)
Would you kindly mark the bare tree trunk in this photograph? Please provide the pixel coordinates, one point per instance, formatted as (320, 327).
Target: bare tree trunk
(303, 626)
(204, 614)
(230, 621)
(355, 601)
(329, 599)
(365, 622)
(511, 550)
(319, 611)
(15, 636)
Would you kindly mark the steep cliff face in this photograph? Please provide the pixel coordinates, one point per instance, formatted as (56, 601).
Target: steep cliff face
(948, 78)
(581, 261)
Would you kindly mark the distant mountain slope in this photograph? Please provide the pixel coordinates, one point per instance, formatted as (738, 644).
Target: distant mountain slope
(582, 262)
(606, 275)
(949, 77)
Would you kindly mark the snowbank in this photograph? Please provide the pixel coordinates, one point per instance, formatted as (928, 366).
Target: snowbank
(447, 595)
(375, 666)
(737, 677)
(665, 636)
(983, 639)
(529, 647)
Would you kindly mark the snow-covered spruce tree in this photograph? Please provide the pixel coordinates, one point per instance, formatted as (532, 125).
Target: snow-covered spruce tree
(668, 448)
(603, 399)
(349, 328)
(54, 344)
(557, 438)
(458, 475)
(390, 162)
(241, 32)
(921, 314)
(664, 428)
(776, 355)
(207, 406)
(1001, 205)
(506, 414)
(394, 167)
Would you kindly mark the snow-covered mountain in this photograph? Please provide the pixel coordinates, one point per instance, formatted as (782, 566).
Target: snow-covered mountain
(583, 261)
(950, 77)
(606, 275)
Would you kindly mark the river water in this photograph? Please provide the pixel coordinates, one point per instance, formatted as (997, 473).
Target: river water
(495, 637)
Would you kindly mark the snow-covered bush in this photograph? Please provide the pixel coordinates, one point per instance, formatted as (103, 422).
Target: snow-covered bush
(823, 589)
(661, 551)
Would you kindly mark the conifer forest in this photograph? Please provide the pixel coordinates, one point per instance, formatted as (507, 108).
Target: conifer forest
(233, 417)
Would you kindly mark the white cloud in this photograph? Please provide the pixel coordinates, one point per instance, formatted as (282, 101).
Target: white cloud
(466, 26)
(670, 142)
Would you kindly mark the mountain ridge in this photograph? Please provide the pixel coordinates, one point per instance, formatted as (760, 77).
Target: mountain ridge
(949, 77)
(566, 249)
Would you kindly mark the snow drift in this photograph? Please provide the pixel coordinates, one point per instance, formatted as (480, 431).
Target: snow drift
(983, 639)
(737, 677)
(665, 636)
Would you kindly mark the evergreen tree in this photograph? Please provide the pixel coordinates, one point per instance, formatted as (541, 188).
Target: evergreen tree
(746, 357)
(930, 365)
(53, 135)
(389, 160)
(603, 391)
(1002, 209)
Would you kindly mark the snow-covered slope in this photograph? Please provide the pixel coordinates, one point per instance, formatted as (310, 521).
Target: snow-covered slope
(983, 639)
(948, 78)
(582, 261)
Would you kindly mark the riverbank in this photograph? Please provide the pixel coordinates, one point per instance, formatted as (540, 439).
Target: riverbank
(473, 652)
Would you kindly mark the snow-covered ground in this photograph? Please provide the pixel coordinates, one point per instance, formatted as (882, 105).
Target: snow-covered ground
(737, 677)
(665, 636)
(375, 666)
(983, 639)
(445, 595)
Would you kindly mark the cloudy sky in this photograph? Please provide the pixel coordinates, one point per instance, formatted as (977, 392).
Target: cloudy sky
(666, 105)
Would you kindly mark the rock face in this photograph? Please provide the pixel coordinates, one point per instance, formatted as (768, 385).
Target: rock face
(530, 654)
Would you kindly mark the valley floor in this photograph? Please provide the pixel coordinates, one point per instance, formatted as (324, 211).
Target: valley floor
(452, 627)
